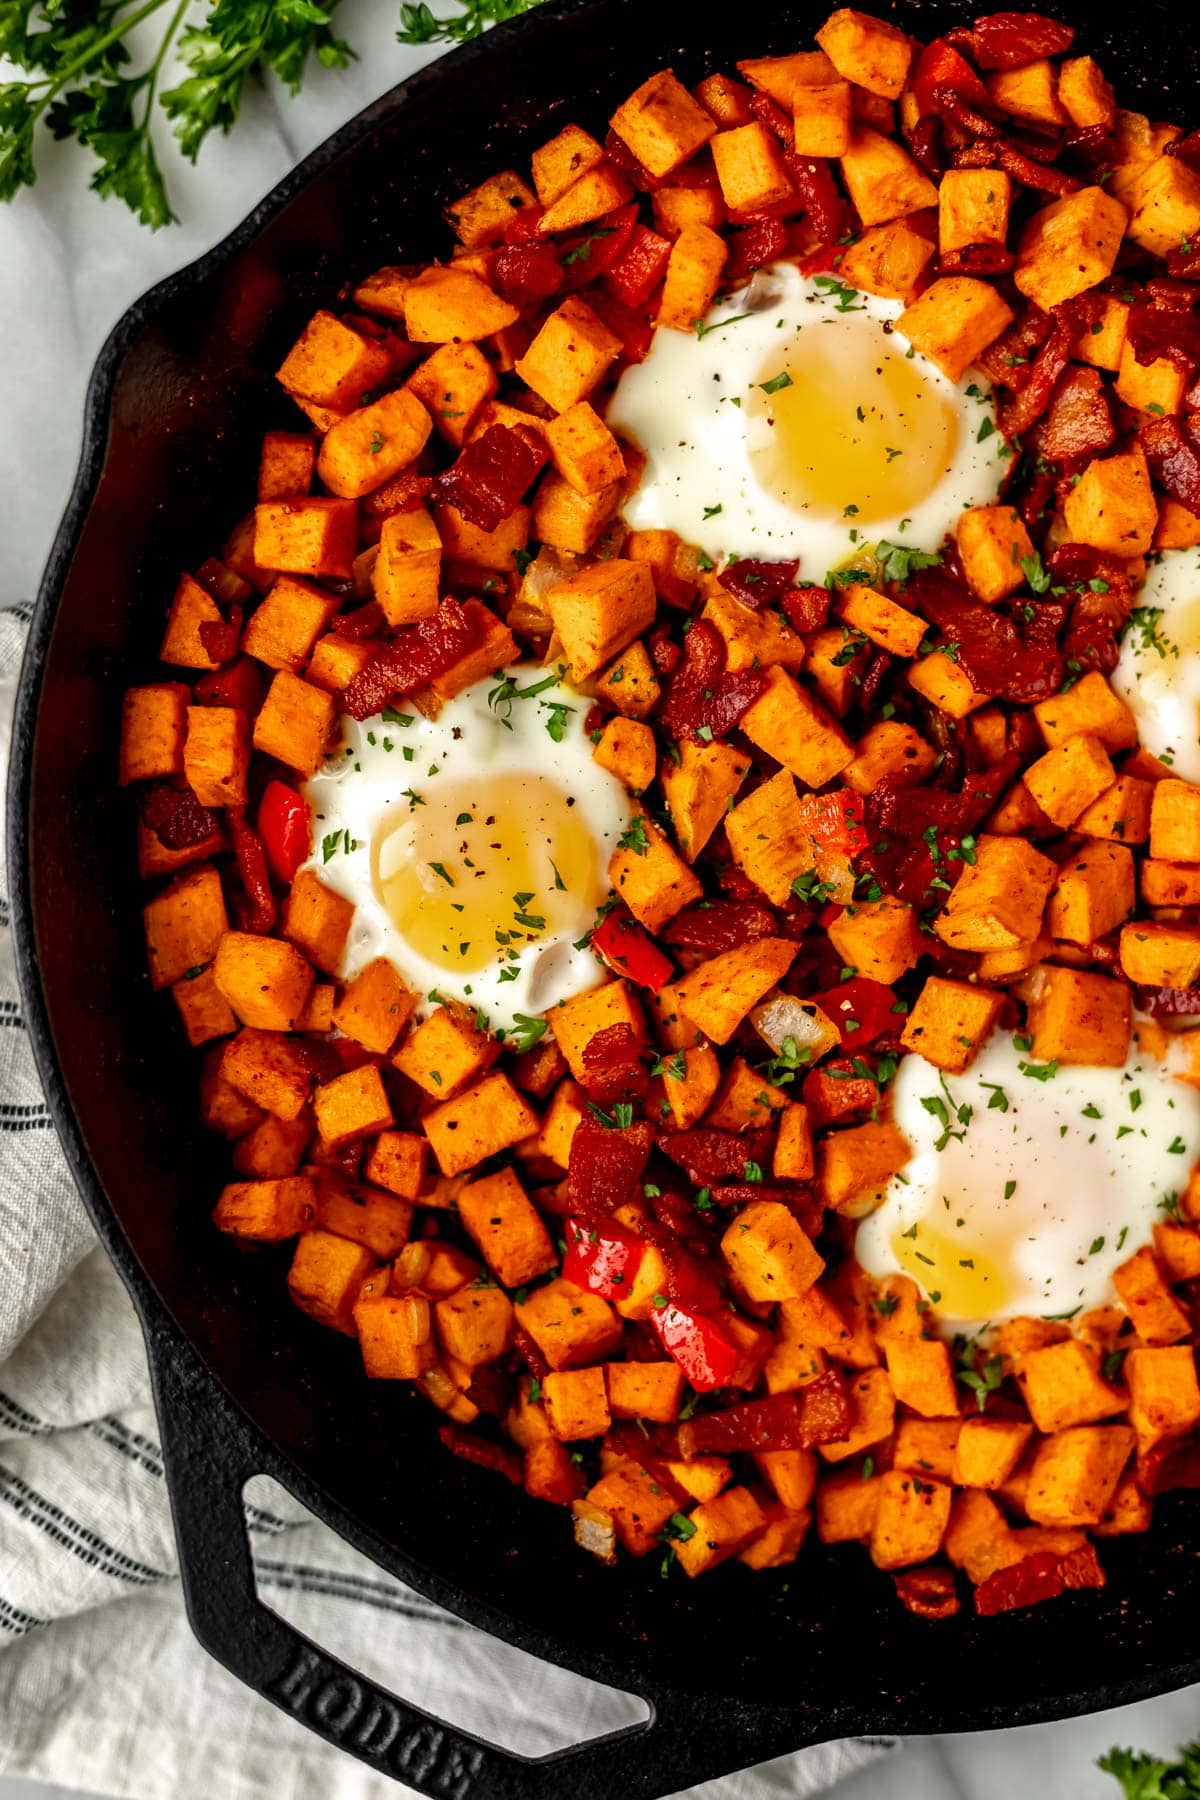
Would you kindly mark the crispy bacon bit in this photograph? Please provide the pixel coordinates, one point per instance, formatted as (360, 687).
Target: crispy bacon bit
(526, 273)
(834, 1093)
(807, 608)
(1007, 361)
(1162, 323)
(1017, 415)
(753, 248)
(633, 275)
(1044, 178)
(612, 1066)
(1078, 420)
(1186, 148)
(976, 259)
(1008, 40)
(1169, 1003)
(1174, 460)
(255, 877)
(1043, 1576)
(529, 1353)
(484, 1453)
(798, 1196)
(239, 684)
(757, 584)
(412, 659)
(491, 474)
(701, 699)
(176, 817)
(404, 493)
(928, 1592)
(221, 637)
(707, 1156)
(364, 622)
(818, 1413)
(665, 653)
(814, 183)
(491, 1390)
(719, 925)
(606, 1165)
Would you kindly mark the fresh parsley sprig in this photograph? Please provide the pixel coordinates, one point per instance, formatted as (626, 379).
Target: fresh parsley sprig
(1145, 1777)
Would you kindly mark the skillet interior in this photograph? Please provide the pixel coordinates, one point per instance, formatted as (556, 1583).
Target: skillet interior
(189, 375)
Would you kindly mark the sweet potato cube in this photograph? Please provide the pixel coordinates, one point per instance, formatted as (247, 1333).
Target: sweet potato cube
(569, 520)
(954, 320)
(723, 1527)
(1093, 893)
(769, 839)
(578, 1020)
(353, 1105)
(791, 1474)
(635, 1505)
(287, 622)
(1166, 205)
(889, 747)
(853, 1164)
(576, 1403)
(375, 1007)
(750, 167)
(475, 1325)
(1075, 1472)
(452, 385)
(746, 1099)
(939, 679)
(1156, 387)
(446, 304)
(374, 443)
(599, 610)
(661, 124)
(397, 1162)
(823, 119)
(569, 355)
(583, 450)
(717, 995)
(922, 1376)
(879, 938)
(988, 1450)
(950, 1022)
(446, 1050)
(793, 1160)
(1069, 246)
(1103, 344)
(488, 1117)
(506, 1228)
(627, 750)
(884, 621)
(203, 1008)
(184, 925)
(216, 754)
(693, 275)
(889, 260)
(846, 1506)
(797, 731)
(867, 51)
(268, 1069)
(325, 1277)
(769, 1254)
(999, 899)
(873, 1407)
(1121, 814)
(1175, 821)
(333, 364)
(1170, 884)
(285, 464)
(317, 537)
(1164, 1397)
(1112, 506)
(638, 1390)
(910, 1520)
(191, 607)
(395, 1336)
(1029, 92)
(336, 661)
(480, 217)
(294, 722)
(408, 568)
(885, 183)
(1092, 707)
(558, 164)
(1178, 1250)
(973, 208)
(1076, 1016)
(1158, 1317)
(992, 541)
(1084, 94)
(1063, 1386)
(273, 1149)
(690, 1094)
(266, 1211)
(650, 878)
(265, 980)
(317, 920)
(779, 1541)
(571, 1328)
(1160, 955)
(153, 731)
(379, 1221)
(782, 77)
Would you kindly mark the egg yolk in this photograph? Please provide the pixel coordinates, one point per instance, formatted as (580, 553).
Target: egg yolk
(969, 1283)
(856, 429)
(485, 867)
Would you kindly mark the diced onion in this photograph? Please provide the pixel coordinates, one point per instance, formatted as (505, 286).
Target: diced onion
(782, 1016)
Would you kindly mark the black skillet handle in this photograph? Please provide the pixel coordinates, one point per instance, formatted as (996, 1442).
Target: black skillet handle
(210, 1453)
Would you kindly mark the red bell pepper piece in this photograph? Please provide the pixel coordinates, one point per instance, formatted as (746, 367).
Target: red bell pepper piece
(603, 1258)
(807, 608)
(756, 583)
(818, 1413)
(591, 252)
(940, 65)
(525, 273)
(285, 827)
(835, 821)
(1009, 40)
(630, 952)
(814, 184)
(719, 925)
(704, 1351)
(860, 1008)
(708, 1155)
(633, 275)
(753, 248)
(634, 329)
(834, 1093)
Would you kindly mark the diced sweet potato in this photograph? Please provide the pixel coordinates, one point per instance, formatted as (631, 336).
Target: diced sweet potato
(153, 731)
(1069, 246)
(265, 980)
(885, 183)
(988, 1450)
(1077, 1016)
(1160, 955)
(879, 938)
(718, 994)
(184, 925)
(769, 1254)
(1075, 1472)
(571, 1328)
(266, 1211)
(325, 1277)
(722, 1527)
(475, 1324)
(870, 52)
(353, 1105)
(661, 124)
(950, 1022)
(318, 921)
(569, 355)
(993, 541)
(1063, 1386)
(653, 881)
(999, 899)
(1157, 1315)
(954, 320)
(486, 1118)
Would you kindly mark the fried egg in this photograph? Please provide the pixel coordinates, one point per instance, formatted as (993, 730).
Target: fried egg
(1028, 1184)
(1158, 672)
(798, 422)
(473, 846)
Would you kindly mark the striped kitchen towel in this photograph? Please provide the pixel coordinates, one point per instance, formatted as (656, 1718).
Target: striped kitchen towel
(102, 1686)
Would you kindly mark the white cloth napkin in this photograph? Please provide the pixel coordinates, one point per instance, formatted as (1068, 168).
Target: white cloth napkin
(101, 1684)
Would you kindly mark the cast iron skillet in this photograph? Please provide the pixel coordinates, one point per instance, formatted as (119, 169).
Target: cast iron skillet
(735, 1668)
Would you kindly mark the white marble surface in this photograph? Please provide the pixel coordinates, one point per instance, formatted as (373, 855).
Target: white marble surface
(68, 267)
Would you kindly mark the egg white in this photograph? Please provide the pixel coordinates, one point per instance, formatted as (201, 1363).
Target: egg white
(1087, 1191)
(380, 765)
(1158, 672)
(686, 407)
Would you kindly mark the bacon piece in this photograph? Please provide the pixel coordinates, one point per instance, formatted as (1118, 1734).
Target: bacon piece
(753, 247)
(925, 146)
(491, 1390)
(1015, 416)
(1078, 421)
(929, 1592)
(239, 684)
(708, 1156)
(1175, 1463)
(606, 1165)
(364, 622)
(1042, 177)
(255, 877)
(1186, 148)
(1163, 324)
(1008, 40)
(220, 638)
(612, 1065)
(410, 661)
(529, 1353)
(798, 1196)
(700, 696)
(404, 493)
(719, 925)
(807, 608)
(814, 183)
(1169, 1003)
(484, 1453)
(176, 817)
(818, 1413)
(757, 584)
(1174, 460)
(1007, 361)
(526, 273)
(1043, 1576)
(834, 1093)
(492, 473)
